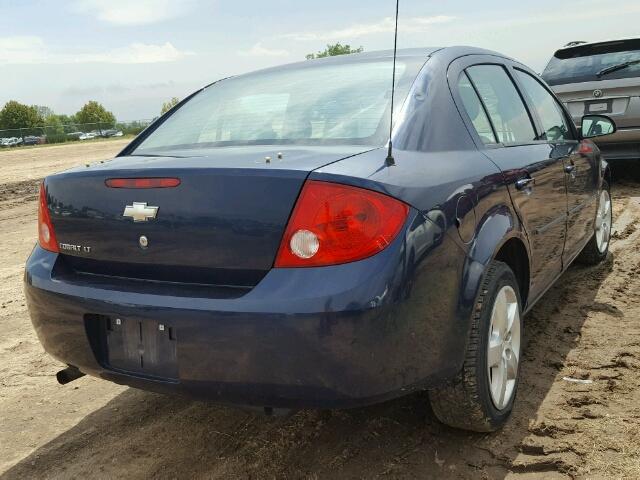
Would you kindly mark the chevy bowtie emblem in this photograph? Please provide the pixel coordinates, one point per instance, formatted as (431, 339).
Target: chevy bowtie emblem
(140, 212)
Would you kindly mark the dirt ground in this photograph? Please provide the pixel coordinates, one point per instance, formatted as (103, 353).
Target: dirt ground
(586, 327)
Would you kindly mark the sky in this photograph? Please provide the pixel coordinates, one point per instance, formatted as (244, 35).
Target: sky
(132, 55)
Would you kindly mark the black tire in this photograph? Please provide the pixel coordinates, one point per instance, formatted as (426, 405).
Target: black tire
(591, 254)
(465, 402)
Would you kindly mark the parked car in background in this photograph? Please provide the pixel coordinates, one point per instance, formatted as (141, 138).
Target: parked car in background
(10, 142)
(112, 133)
(602, 78)
(32, 140)
(257, 245)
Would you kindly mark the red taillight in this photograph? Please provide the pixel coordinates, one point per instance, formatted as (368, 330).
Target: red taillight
(142, 182)
(46, 235)
(333, 224)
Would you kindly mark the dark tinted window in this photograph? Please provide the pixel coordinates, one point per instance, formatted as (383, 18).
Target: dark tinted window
(549, 112)
(582, 63)
(475, 110)
(505, 107)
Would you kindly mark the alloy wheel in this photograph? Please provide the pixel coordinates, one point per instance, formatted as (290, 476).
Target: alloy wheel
(503, 350)
(603, 221)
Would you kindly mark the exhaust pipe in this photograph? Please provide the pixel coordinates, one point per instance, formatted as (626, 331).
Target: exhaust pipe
(68, 375)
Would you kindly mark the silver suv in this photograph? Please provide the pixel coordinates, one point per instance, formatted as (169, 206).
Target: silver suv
(602, 78)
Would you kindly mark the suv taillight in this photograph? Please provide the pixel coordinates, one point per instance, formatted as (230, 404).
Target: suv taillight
(46, 235)
(333, 224)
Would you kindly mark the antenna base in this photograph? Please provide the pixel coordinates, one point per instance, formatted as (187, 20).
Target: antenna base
(390, 161)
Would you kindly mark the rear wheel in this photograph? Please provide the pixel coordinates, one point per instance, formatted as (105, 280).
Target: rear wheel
(596, 250)
(481, 396)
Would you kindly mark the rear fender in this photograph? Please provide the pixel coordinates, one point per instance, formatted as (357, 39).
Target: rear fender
(499, 225)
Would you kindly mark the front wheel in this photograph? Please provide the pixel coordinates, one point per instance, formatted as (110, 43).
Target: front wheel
(595, 251)
(480, 398)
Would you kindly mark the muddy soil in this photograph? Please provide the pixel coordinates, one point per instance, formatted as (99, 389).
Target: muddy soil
(586, 327)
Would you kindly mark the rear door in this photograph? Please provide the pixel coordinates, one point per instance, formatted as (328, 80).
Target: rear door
(533, 172)
(581, 169)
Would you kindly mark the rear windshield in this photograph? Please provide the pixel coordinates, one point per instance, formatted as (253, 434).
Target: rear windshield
(310, 104)
(582, 63)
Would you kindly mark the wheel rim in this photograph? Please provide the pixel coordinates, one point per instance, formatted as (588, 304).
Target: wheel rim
(603, 222)
(503, 350)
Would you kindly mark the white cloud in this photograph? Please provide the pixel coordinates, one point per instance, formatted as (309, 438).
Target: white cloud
(21, 49)
(135, 53)
(134, 12)
(258, 50)
(386, 25)
(33, 50)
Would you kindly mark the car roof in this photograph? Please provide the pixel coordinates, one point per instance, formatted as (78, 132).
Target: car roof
(417, 53)
(447, 54)
(580, 44)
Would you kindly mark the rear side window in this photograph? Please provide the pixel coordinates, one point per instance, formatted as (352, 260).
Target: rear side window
(549, 112)
(475, 110)
(506, 109)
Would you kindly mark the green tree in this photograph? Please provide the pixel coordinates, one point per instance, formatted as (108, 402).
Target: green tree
(54, 130)
(17, 115)
(166, 106)
(44, 111)
(333, 50)
(93, 112)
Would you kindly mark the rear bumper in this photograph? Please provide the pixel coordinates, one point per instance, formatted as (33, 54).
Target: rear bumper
(318, 337)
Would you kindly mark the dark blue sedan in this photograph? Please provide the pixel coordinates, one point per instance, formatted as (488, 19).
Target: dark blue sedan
(256, 246)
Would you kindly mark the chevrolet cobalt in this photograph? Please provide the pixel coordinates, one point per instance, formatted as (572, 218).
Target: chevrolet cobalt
(258, 246)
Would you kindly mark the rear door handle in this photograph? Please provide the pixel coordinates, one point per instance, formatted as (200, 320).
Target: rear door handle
(524, 183)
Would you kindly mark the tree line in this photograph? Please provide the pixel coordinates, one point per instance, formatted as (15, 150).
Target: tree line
(15, 115)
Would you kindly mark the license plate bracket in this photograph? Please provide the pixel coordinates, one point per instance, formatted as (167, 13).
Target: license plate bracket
(598, 107)
(141, 346)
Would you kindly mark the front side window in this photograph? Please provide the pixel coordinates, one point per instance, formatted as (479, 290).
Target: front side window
(323, 104)
(506, 109)
(475, 110)
(549, 112)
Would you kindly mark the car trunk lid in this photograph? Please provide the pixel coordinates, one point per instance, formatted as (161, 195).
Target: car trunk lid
(221, 225)
(618, 98)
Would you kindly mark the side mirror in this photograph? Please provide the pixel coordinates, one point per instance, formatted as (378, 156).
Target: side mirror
(597, 126)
